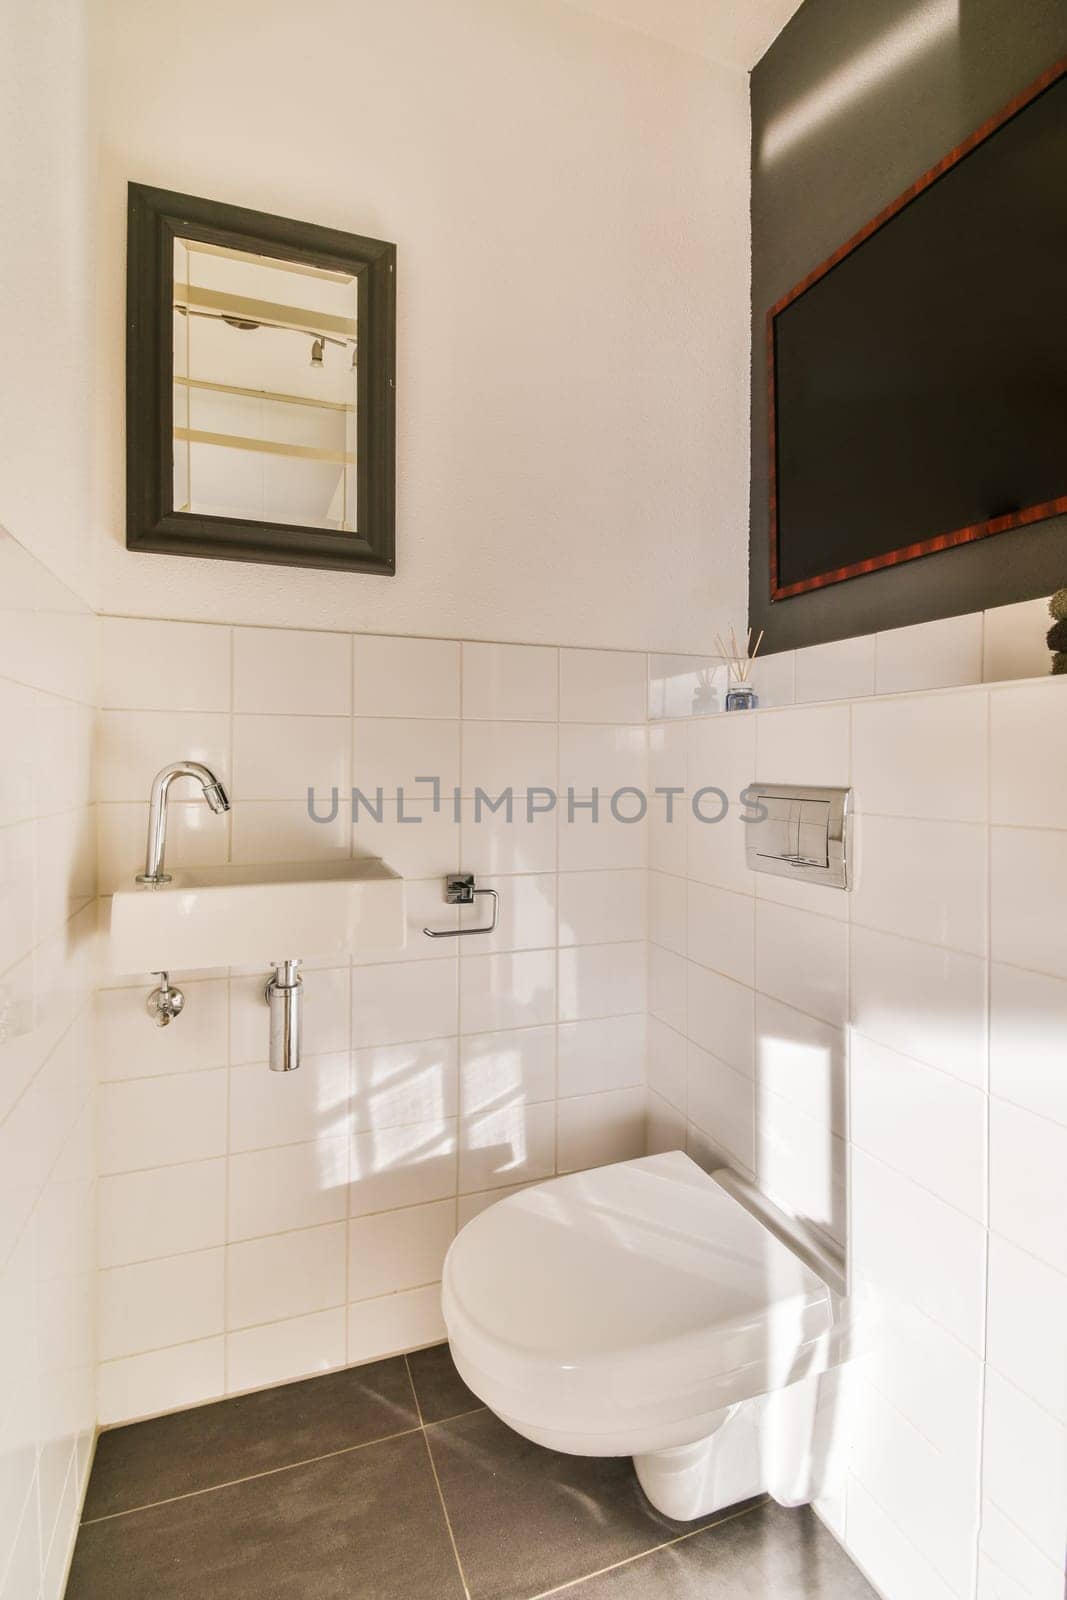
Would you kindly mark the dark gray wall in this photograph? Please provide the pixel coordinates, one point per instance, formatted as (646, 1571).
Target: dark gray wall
(815, 194)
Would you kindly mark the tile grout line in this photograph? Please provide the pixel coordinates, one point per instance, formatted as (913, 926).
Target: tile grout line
(668, 1544)
(437, 1481)
(250, 1477)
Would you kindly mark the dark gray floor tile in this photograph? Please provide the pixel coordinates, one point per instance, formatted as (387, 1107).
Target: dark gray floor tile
(190, 1450)
(526, 1519)
(365, 1525)
(440, 1389)
(783, 1555)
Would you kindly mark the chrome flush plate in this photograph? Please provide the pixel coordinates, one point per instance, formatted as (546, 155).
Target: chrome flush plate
(805, 835)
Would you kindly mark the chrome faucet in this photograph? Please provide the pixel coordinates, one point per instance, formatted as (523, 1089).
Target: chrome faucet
(214, 794)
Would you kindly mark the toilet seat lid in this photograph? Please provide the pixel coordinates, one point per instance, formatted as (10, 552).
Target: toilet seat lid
(644, 1256)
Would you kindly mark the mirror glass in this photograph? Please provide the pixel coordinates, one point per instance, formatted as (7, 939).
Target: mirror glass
(264, 388)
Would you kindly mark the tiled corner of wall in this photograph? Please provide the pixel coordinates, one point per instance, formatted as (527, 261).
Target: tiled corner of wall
(47, 1169)
(887, 1063)
(254, 1227)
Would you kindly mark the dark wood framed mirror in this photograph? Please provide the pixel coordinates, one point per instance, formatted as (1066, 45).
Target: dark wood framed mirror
(260, 387)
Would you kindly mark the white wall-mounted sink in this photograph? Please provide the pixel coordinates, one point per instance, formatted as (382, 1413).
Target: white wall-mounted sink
(237, 915)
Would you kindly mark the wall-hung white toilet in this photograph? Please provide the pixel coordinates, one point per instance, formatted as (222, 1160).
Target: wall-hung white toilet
(640, 1309)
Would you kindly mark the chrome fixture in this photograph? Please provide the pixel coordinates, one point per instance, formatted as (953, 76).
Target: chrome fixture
(803, 835)
(460, 891)
(214, 794)
(164, 1003)
(284, 994)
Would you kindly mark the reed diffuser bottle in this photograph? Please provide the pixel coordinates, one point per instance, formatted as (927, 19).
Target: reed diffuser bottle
(740, 696)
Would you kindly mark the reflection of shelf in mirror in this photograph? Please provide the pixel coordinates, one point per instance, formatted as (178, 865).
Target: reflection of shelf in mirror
(270, 447)
(265, 394)
(323, 524)
(187, 297)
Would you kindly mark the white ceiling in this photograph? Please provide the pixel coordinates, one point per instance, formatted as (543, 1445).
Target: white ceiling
(733, 31)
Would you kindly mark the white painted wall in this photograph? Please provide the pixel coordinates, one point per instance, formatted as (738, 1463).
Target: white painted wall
(570, 203)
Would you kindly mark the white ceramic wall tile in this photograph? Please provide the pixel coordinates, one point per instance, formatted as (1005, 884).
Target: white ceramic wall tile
(667, 899)
(404, 677)
(1028, 770)
(887, 1557)
(509, 755)
(716, 850)
(721, 753)
(1028, 1324)
(311, 1104)
(602, 757)
(425, 906)
(930, 1378)
(416, 841)
(526, 915)
(666, 995)
(505, 1144)
(602, 686)
(664, 1126)
(394, 1322)
(666, 1063)
(721, 1102)
(294, 1186)
(843, 670)
(720, 1017)
(405, 1166)
(1015, 641)
(132, 746)
(127, 1050)
(193, 839)
(163, 666)
(1029, 892)
(392, 752)
(494, 843)
(1009, 1566)
(165, 1212)
(930, 655)
(902, 1237)
(1028, 1027)
(155, 1122)
(803, 960)
(942, 1146)
(399, 1249)
(507, 991)
(1025, 1460)
(283, 830)
(802, 1060)
(510, 682)
(774, 679)
(399, 1002)
(401, 1083)
(925, 880)
(159, 1303)
(598, 907)
(686, 686)
(801, 1164)
(280, 1351)
(721, 931)
(597, 1129)
(509, 1067)
(803, 746)
(589, 843)
(944, 1020)
(667, 845)
(469, 1206)
(289, 1275)
(1028, 1182)
(922, 756)
(601, 980)
(281, 758)
(288, 671)
(161, 1380)
(605, 1053)
(667, 755)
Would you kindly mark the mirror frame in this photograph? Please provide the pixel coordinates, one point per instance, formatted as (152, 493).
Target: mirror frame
(156, 217)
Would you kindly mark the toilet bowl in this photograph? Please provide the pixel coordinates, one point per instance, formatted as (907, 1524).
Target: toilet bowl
(640, 1309)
